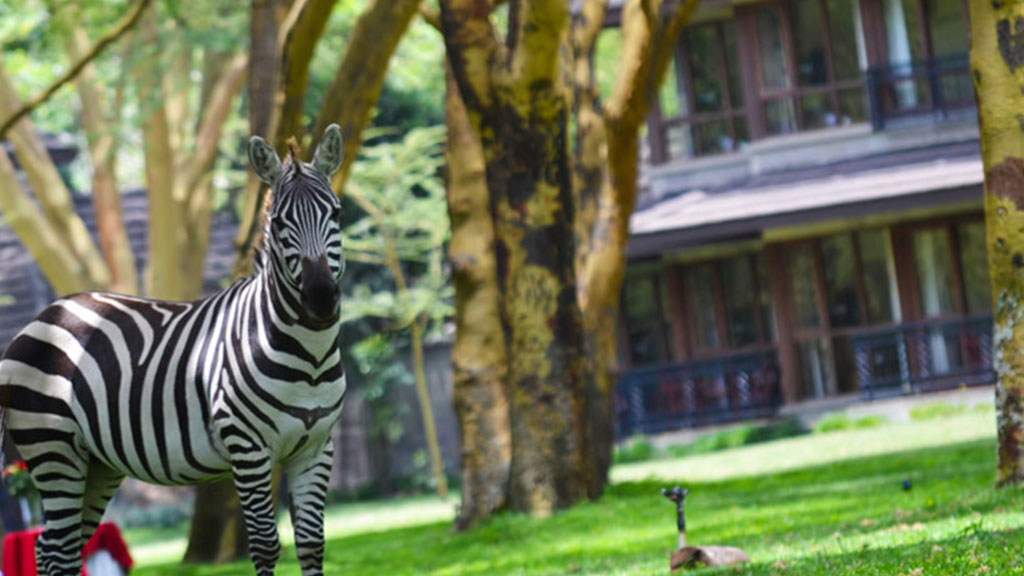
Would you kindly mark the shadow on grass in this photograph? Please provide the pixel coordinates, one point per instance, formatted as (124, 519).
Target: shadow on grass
(814, 520)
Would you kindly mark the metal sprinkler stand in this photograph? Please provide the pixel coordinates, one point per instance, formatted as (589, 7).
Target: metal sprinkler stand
(691, 556)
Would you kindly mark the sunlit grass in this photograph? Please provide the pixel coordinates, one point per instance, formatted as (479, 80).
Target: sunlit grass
(822, 504)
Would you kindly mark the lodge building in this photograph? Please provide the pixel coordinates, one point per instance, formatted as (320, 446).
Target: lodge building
(811, 225)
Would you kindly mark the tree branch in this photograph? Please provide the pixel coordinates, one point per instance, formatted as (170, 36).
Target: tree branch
(298, 36)
(112, 35)
(359, 78)
(224, 91)
(431, 15)
(536, 59)
(472, 48)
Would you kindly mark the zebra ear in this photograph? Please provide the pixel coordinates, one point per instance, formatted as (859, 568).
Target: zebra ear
(264, 161)
(329, 153)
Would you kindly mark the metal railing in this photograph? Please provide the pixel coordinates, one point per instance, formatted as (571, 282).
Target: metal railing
(697, 393)
(924, 356)
(927, 87)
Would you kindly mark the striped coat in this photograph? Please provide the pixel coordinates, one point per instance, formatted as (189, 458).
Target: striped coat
(102, 386)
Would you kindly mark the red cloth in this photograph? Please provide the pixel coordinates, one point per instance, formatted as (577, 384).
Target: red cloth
(19, 556)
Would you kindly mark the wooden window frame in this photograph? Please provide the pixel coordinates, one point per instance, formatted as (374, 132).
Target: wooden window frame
(659, 126)
(687, 328)
(832, 88)
(663, 317)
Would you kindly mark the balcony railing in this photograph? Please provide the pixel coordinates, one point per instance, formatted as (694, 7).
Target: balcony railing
(929, 87)
(924, 356)
(723, 389)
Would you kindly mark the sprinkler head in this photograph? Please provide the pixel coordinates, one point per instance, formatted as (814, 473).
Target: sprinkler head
(677, 494)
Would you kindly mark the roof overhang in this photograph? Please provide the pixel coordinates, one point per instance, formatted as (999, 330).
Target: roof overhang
(698, 218)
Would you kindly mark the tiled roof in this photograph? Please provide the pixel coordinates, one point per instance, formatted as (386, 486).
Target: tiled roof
(891, 181)
(24, 290)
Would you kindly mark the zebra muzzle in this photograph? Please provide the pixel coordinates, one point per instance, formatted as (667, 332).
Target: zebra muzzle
(320, 290)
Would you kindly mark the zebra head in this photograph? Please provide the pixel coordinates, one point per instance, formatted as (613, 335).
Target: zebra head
(303, 240)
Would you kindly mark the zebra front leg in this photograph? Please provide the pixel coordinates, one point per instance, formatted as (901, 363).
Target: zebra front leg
(307, 488)
(254, 481)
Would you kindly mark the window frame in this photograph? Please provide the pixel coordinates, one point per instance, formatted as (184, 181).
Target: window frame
(660, 125)
(832, 88)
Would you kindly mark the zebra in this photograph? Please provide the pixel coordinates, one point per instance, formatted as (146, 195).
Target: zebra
(101, 386)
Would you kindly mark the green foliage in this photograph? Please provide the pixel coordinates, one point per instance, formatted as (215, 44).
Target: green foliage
(607, 53)
(635, 450)
(413, 91)
(379, 370)
(742, 435)
(845, 517)
(934, 410)
(840, 421)
(398, 187)
(639, 449)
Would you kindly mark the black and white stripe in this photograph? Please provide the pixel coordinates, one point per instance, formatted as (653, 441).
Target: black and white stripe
(102, 386)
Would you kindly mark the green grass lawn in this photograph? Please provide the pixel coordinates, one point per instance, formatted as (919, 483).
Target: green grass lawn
(822, 504)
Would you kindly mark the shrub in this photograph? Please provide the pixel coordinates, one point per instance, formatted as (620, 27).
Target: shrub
(787, 428)
(635, 450)
(870, 421)
(743, 435)
(933, 410)
(983, 407)
(833, 422)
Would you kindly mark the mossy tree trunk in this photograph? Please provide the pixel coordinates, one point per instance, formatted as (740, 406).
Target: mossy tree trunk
(997, 66)
(518, 106)
(548, 217)
(479, 355)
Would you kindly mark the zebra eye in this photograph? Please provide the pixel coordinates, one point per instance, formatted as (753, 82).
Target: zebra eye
(336, 214)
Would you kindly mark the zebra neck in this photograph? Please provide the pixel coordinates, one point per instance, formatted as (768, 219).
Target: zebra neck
(278, 307)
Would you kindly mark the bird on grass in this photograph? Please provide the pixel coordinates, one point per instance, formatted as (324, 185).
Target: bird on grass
(692, 556)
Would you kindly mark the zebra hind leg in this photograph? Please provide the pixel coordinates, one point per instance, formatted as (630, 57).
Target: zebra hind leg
(60, 479)
(101, 483)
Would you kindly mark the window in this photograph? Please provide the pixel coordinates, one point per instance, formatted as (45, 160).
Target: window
(840, 285)
(727, 304)
(701, 290)
(974, 267)
(802, 280)
(878, 267)
(809, 55)
(933, 263)
(643, 313)
(744, 301)
(841, 288)
(926, 51)
(701, 102)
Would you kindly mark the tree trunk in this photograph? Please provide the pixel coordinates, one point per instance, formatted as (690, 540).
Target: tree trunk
(357, 83)
(102, 138)
(533, 209)
(43, 242)
(607, 156)
(427, 410)
(997, 63)
(478, 357)
(79, 264)
(298, 53)
(519, 108)
(218, 529)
